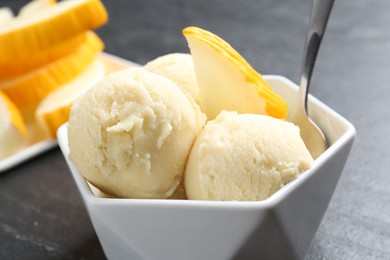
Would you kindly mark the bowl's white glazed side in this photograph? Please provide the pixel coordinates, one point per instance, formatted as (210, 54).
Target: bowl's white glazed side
(292, 223)
(280, 227)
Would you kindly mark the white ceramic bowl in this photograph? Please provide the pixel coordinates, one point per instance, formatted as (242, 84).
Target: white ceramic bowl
(280, 227)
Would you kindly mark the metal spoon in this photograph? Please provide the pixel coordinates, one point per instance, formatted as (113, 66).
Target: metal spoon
(311, 134)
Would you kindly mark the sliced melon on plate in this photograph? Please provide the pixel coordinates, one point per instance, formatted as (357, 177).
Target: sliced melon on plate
(54, 109)
(227, 81)
(29, 89)
(59, 22)
(18, 66)
(13, 133)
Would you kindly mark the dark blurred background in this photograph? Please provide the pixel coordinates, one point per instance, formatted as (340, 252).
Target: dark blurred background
(41, 213)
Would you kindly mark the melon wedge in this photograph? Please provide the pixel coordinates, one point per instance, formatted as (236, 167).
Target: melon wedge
(35, 6)
(227, 81)
(13, 131)
(59, 22)
(30, 88)
(54, 109)
(20, 65)
(6, 15)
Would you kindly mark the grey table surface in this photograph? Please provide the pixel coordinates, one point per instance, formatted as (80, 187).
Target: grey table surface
(42, 215)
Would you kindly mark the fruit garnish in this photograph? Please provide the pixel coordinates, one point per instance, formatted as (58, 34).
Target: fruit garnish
(54, 109)
(227, 81)
(13, 131)
(57, 23)
(30, 88)
(18, 66)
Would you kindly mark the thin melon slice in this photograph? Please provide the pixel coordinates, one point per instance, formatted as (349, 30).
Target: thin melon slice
(29, 89)
(20, 65)
(57, 23)
(13, 133)
(227, 81)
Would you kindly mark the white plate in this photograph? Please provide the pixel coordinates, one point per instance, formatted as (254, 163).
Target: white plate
(112, 63)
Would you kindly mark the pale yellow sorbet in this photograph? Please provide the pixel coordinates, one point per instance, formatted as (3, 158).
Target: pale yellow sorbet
(179, 68)
(130, 135)
(244, 157)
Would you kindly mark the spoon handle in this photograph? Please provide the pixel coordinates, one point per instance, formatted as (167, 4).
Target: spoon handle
(320, 11)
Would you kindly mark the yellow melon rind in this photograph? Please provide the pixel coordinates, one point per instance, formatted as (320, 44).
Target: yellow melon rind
(14, 113)
(70, 17)
(13, 132)
(275, 106)
(29, 89)
(20, 65)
